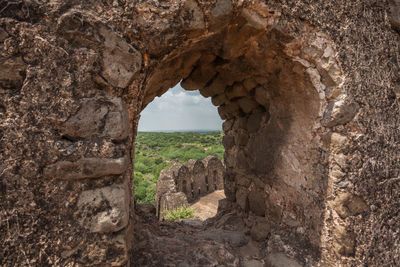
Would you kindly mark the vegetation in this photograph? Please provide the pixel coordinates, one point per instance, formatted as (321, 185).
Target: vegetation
(179, 213)
(158, 151)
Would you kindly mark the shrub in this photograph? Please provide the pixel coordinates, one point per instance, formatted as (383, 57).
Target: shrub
(179, 213)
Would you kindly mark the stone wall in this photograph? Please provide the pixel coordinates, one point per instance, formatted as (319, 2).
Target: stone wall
(184, 184)
(309, 91)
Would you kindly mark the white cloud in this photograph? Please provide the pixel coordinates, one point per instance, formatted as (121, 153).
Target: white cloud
(178, 109)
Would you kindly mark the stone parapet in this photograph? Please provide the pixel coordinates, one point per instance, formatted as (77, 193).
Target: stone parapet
(183, 184)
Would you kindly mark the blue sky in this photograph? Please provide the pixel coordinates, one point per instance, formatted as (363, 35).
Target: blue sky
(177, 110)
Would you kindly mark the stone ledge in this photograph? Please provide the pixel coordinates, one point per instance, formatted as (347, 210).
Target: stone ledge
(86, 168)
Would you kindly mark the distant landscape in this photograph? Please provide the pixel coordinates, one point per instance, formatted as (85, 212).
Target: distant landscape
(160, 150)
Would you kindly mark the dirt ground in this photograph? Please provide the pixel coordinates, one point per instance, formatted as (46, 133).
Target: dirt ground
(207, 206)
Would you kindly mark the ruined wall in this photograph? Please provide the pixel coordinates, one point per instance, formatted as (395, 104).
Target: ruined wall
(183, 184)
(309, 90)
(214, 171)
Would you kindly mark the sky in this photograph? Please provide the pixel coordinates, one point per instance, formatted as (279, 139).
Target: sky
(180, 110)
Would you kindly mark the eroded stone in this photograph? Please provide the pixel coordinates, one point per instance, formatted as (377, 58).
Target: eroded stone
(192, 16)
(260, 231)
(257, 202)
(344, 243)
(339, 112)
(262, 96)
(281, 260)
(104, 117)
(347, 204)
(121, 61)
(247, 104)
(104, 209)
(86, 168)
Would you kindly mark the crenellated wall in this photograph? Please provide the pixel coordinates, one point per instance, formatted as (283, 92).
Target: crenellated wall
(194, 179)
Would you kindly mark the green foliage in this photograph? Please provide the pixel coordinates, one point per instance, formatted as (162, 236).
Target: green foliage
(158, 151)
(179, 213)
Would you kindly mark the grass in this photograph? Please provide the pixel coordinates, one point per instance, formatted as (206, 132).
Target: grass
(179, 213)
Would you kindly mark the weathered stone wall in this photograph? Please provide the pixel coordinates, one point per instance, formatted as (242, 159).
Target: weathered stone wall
(214, 171)
(194, 179)
(309, 91)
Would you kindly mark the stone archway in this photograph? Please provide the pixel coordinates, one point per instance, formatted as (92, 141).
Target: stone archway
(78, 75)
(280, 93)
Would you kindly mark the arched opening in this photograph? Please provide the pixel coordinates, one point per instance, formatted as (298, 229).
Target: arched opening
(179, 134)
(277, 91)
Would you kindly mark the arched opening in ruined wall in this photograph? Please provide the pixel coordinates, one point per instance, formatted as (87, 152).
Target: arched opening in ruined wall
(178, 148)
(278, 90)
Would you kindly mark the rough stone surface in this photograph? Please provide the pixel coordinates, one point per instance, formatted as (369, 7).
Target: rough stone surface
(281, 260)
(86, 168)
(330, 71)
(235, 239)
(104, 209)
(260, 231)
(347, 204)
(99, 116)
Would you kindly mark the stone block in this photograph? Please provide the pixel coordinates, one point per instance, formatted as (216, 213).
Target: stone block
(120, 65)
(171, 201)
(339, 112)
(100, 116)
(104, 209)
(254, 19)
(247, 104)
(199, 77)
(242, 198)
(121, 61)
(227, 125)
(344, 241)
(347, 204)
(261, 79)
(257, 202)
(117, 121)
(86, 168)
(249, 84)
(216, 87)
(260, 231)
(219, 100)
(192, 16)
(236, 91)
(241, 139)
(338, 142)
(229, 110)
(228, 141)
(240, 123)
(262, 96)
(189, 60)
(220, 14)
(254, 122)
(241, 160)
